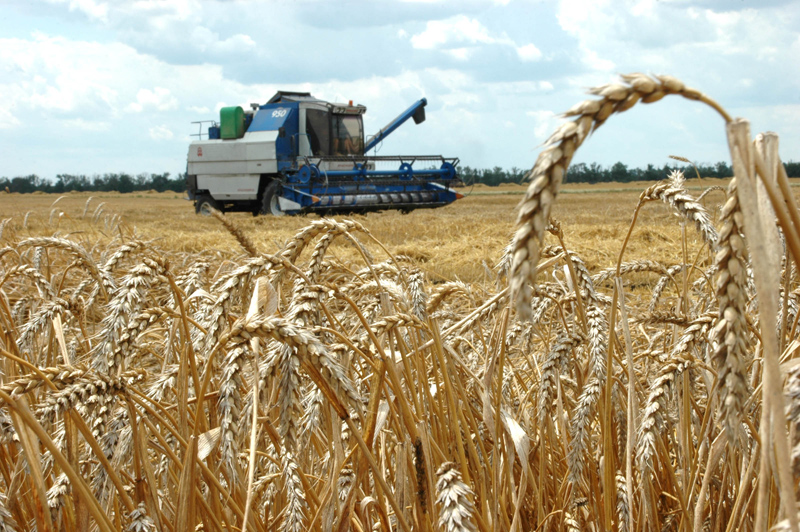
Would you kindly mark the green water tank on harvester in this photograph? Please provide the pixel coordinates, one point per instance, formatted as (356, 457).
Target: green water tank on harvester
(231, 120)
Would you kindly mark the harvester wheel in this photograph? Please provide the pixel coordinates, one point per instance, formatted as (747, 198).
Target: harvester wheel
(204, 204)
(269, 203)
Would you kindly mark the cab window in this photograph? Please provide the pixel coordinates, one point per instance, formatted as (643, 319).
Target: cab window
(348, 135)
(318, 131)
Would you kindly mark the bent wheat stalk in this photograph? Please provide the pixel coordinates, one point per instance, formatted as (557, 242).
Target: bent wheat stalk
(551, 165)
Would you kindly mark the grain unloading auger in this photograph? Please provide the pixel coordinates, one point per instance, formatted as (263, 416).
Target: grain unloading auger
(299, 154)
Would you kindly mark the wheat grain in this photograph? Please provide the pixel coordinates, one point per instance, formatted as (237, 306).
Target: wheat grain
(39, 319)
(7, 523)
(627, 268)
(680, 360)
(555, 365)
(56, 493)
(623, 499)
(455, 499)
(139, 521)
(709, 190)
(673, 193)
(126, 301)
(229, 408)
(230, 288)
(730, 341)
(59, 376)
(82, 256)
(3, 224)
(661, 285)
(294, 517)
(597, 339)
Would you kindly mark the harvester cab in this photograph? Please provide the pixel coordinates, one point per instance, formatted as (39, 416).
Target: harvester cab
(298, 154)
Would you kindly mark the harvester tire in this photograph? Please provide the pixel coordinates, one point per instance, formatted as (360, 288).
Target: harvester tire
(204, 204)
(269, 202)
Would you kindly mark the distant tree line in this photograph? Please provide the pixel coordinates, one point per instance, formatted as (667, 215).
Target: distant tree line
(619, 172)
(577, 173)
(97, 183)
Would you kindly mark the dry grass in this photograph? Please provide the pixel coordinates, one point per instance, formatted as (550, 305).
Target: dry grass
(163, 371)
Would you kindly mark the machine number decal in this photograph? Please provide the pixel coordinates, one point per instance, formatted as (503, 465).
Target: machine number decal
(279, 113)
(199, 151)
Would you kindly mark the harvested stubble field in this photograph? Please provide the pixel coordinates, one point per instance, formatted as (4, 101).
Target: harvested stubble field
(449, 244)
(163, 371)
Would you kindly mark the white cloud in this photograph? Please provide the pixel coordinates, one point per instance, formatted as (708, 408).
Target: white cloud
(460, 37)
(462, 54)
(159, 98)
(207, 40)
(644, 8)
(575, 16)
(592, 23)
(91, 8)
(545, 123)
(7, 120)
(459, 29)
(161, 133)
(592, 59)
(159, 14)
(50, 72)
(529, 52)
(86, 125)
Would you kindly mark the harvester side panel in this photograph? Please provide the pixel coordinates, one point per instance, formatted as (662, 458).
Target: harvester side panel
(255, 154)
(231, 170)
(230, 187)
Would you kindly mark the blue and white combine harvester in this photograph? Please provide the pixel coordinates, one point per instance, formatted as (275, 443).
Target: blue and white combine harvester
(298, 154)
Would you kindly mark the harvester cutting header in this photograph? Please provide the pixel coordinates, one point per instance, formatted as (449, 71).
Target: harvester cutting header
(299, 154)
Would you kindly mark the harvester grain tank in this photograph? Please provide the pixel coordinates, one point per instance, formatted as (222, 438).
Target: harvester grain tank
(298, 154)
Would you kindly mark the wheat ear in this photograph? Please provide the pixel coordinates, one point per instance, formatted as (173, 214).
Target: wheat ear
(237, 233)
(729, 333)
(551, 165)
(455, 498)
(673, 193)
(653, 419)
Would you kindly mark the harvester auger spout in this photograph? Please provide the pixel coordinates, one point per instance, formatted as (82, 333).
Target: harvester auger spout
(298, 154)
(416, 111)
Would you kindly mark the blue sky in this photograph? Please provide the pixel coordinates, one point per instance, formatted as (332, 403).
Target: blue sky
(94, 86)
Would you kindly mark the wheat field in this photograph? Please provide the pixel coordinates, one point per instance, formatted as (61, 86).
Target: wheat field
(621, 358)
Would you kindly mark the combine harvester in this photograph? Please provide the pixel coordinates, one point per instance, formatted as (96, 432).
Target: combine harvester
(297, 154)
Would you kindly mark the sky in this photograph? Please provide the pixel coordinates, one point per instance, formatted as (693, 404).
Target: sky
(96, 86)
